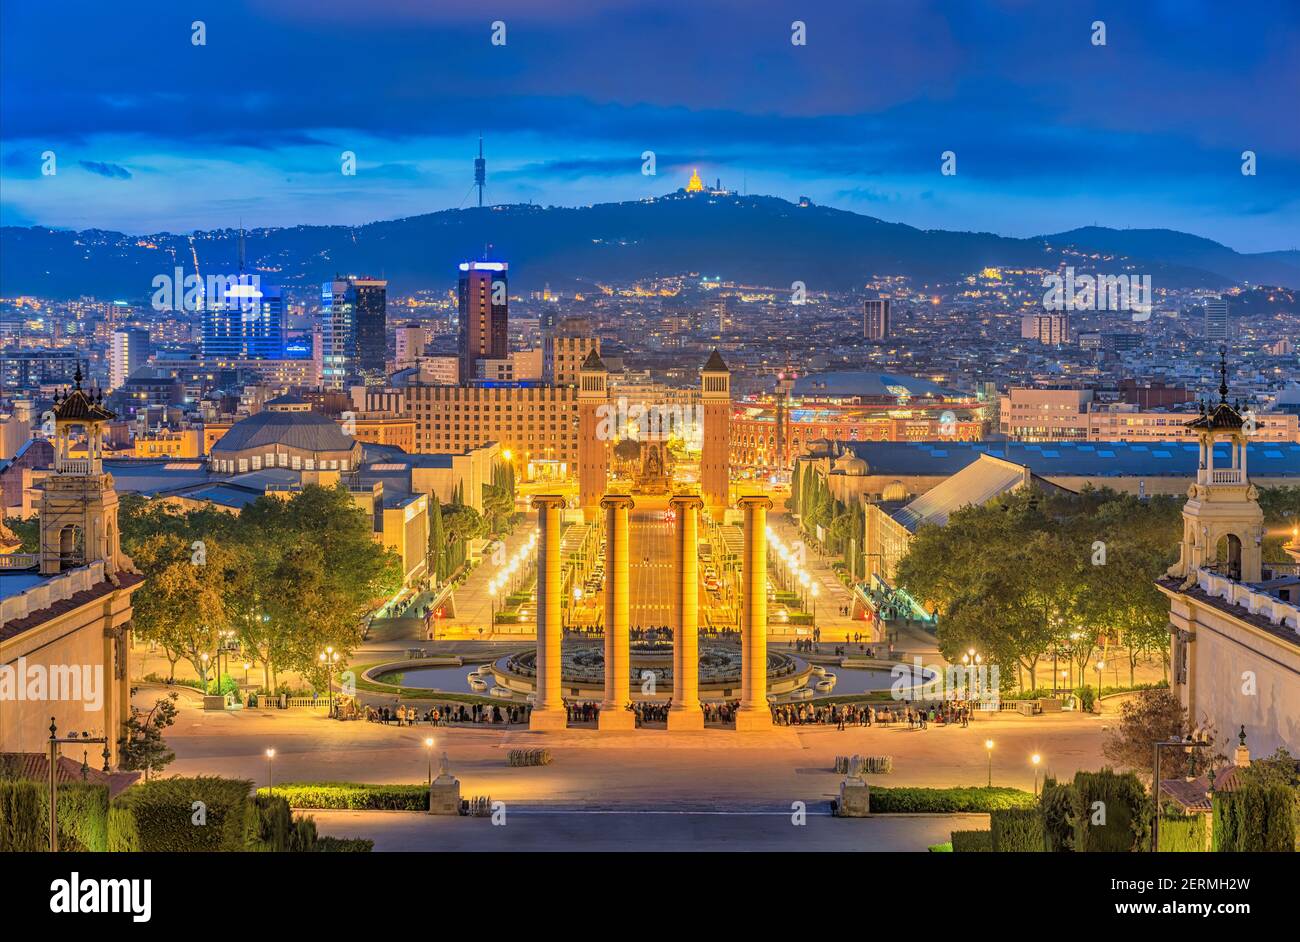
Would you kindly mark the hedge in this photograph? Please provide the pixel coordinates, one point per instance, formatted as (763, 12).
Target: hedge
(159, 815)
(1056, 805)
(1255, 818)
(344, 845)
(1182, 833)
(964, 842)
(944, 848)
(21, 826)
(1017, 830)
(947, 800)
(1120, 801)
(347, 796)
(25, 814)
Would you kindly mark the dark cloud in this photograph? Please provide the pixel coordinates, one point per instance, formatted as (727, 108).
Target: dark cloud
(112, 171)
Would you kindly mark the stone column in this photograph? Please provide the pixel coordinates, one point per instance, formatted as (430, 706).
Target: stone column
(548, 711)
(754, 713)
(613, 709)
(685, 712)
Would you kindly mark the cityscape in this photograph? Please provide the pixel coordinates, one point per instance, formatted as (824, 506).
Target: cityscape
(514, 488)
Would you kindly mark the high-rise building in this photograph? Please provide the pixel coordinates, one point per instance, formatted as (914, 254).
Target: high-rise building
(484, 296)
(1047, 327)
(565, 348)
(1216, 319)
(410, 345)
(353, 319)
(715, 468)
(875, 318)
(371, 313)
(129, 351)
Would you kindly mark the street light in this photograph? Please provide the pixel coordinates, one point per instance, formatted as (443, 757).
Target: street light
(328, 658)
(988, 745)
(205, 658)
(1187, 743)
(1101, 665)
(428, 744)
(1035, 759)
(814, 590)
(270, 778)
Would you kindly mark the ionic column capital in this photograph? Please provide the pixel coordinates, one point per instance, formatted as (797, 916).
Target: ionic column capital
(616, 501)
(686, 501)
(758, 501)
(548, 501)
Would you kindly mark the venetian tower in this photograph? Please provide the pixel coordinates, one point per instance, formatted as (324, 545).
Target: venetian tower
(1223, 526)
(715, 464)
(78, 508)
(594, 434)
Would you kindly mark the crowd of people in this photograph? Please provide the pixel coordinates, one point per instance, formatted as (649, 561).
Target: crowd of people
(444, 714)
(844, 715)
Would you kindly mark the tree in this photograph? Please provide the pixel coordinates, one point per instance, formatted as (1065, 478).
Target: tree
(29, 531)
(436, 558)
(141, 745)
(181, 606)
(1152, 716)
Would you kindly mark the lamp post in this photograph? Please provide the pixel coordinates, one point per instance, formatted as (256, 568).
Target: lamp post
(577, 597)
(1187, 743)
(428, 745)
(55, 742)
(270, 778)
(988, 746)
(204, 658)
(1101, 665)
(1035, 759)
(328, 658)
(813, 591)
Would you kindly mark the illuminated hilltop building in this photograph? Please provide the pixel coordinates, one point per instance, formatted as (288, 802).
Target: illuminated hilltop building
(695, 184)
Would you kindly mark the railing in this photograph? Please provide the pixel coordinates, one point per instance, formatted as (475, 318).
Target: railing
(19, 561)
(1227, 476)
(75, 466)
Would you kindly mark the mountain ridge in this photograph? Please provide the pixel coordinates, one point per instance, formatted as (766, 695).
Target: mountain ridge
(760, 240)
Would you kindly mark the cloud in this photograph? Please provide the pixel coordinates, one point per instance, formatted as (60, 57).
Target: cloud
(112, 171)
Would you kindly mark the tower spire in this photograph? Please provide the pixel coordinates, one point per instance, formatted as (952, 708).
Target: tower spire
(241, 250)
(480, 172)
(1223, 374)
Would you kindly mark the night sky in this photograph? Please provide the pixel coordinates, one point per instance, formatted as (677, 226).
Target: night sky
(1050, 131)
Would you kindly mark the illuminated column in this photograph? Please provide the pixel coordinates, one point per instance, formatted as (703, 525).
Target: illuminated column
(613, 709)
(754, 713)
(548, 711)
(685, 712)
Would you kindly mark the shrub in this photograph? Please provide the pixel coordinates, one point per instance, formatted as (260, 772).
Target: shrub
(944, 848)
(1118, 804)
(1087, 698)
(348, 796)
(1182, 833)
(947, 800)
(964, 842)
(1255, 818)
(1057, 809)
(21, 828)
(25, 816)
(344, 844)
(161, 815)
(272, 826)
(1017, 830)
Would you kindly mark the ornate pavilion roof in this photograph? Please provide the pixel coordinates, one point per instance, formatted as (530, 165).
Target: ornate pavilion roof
(82, 406)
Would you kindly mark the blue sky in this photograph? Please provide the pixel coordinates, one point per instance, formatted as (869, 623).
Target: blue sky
(1051, 132)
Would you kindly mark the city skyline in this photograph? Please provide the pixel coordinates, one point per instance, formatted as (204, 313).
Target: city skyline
(857, 119)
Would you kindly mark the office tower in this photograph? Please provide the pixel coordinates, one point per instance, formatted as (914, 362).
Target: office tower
(31, 369)
(371, 314)
(130, 350)
(564, 348)
(875, 319)
(483, 314)
(1216, 319)
(410, 345)
(245, 322)
(337, 334)
(353, 318)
